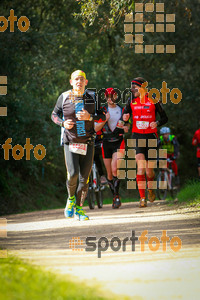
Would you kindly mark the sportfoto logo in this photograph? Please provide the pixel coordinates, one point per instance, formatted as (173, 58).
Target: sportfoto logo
(116, 244)
(3, 91)
(126, 163)
(23, 23)
(137, 27)
(18, 151)
(155, 95)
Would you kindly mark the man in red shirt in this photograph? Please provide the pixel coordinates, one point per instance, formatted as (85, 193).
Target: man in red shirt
(196, 142)
(144, 133)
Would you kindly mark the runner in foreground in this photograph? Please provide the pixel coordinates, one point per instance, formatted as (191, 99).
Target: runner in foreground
(75, 111)
(144, 132)
(113, 143)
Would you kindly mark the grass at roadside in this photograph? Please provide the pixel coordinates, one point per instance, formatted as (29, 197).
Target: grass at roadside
(23, 281)
(189, 194)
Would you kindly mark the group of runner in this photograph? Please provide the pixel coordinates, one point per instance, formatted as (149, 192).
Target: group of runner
(81, 116)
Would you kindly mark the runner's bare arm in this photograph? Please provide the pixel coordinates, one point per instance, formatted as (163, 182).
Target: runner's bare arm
(98, 126)
(57, 114)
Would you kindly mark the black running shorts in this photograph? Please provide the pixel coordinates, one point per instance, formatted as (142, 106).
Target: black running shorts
(143, 143)
(108, 148)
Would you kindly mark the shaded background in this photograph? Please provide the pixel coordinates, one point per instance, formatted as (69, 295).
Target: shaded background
(88, 35)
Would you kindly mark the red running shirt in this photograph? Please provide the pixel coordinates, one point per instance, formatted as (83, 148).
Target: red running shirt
(143, 115)
(196, 141)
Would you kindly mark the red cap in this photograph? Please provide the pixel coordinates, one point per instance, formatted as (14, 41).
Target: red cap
(110, 91)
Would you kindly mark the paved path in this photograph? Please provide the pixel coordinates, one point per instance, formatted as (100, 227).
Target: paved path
(43, 237)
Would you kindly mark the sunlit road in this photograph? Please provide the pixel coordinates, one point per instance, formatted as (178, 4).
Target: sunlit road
(44, 238)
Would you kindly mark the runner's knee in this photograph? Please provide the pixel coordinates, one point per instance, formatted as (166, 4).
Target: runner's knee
(72, 176)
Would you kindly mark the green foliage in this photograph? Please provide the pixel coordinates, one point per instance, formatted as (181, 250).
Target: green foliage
(111, 11)
(190, 194)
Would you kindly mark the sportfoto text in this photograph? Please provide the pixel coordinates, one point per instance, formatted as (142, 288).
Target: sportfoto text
(18, 150)
(23, 22)
(175, 94)
(154, 243)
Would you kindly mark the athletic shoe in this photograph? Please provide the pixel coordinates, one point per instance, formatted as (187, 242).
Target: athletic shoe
(69, 209)
(143, 202)
(151, 195)
(80, 214)
(116, 202)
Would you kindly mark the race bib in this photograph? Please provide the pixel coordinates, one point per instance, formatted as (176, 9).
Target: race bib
(78, 148)
(142, 124)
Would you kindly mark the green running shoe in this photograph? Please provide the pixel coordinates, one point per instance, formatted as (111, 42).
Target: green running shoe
(80, 214)
(69, 209)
